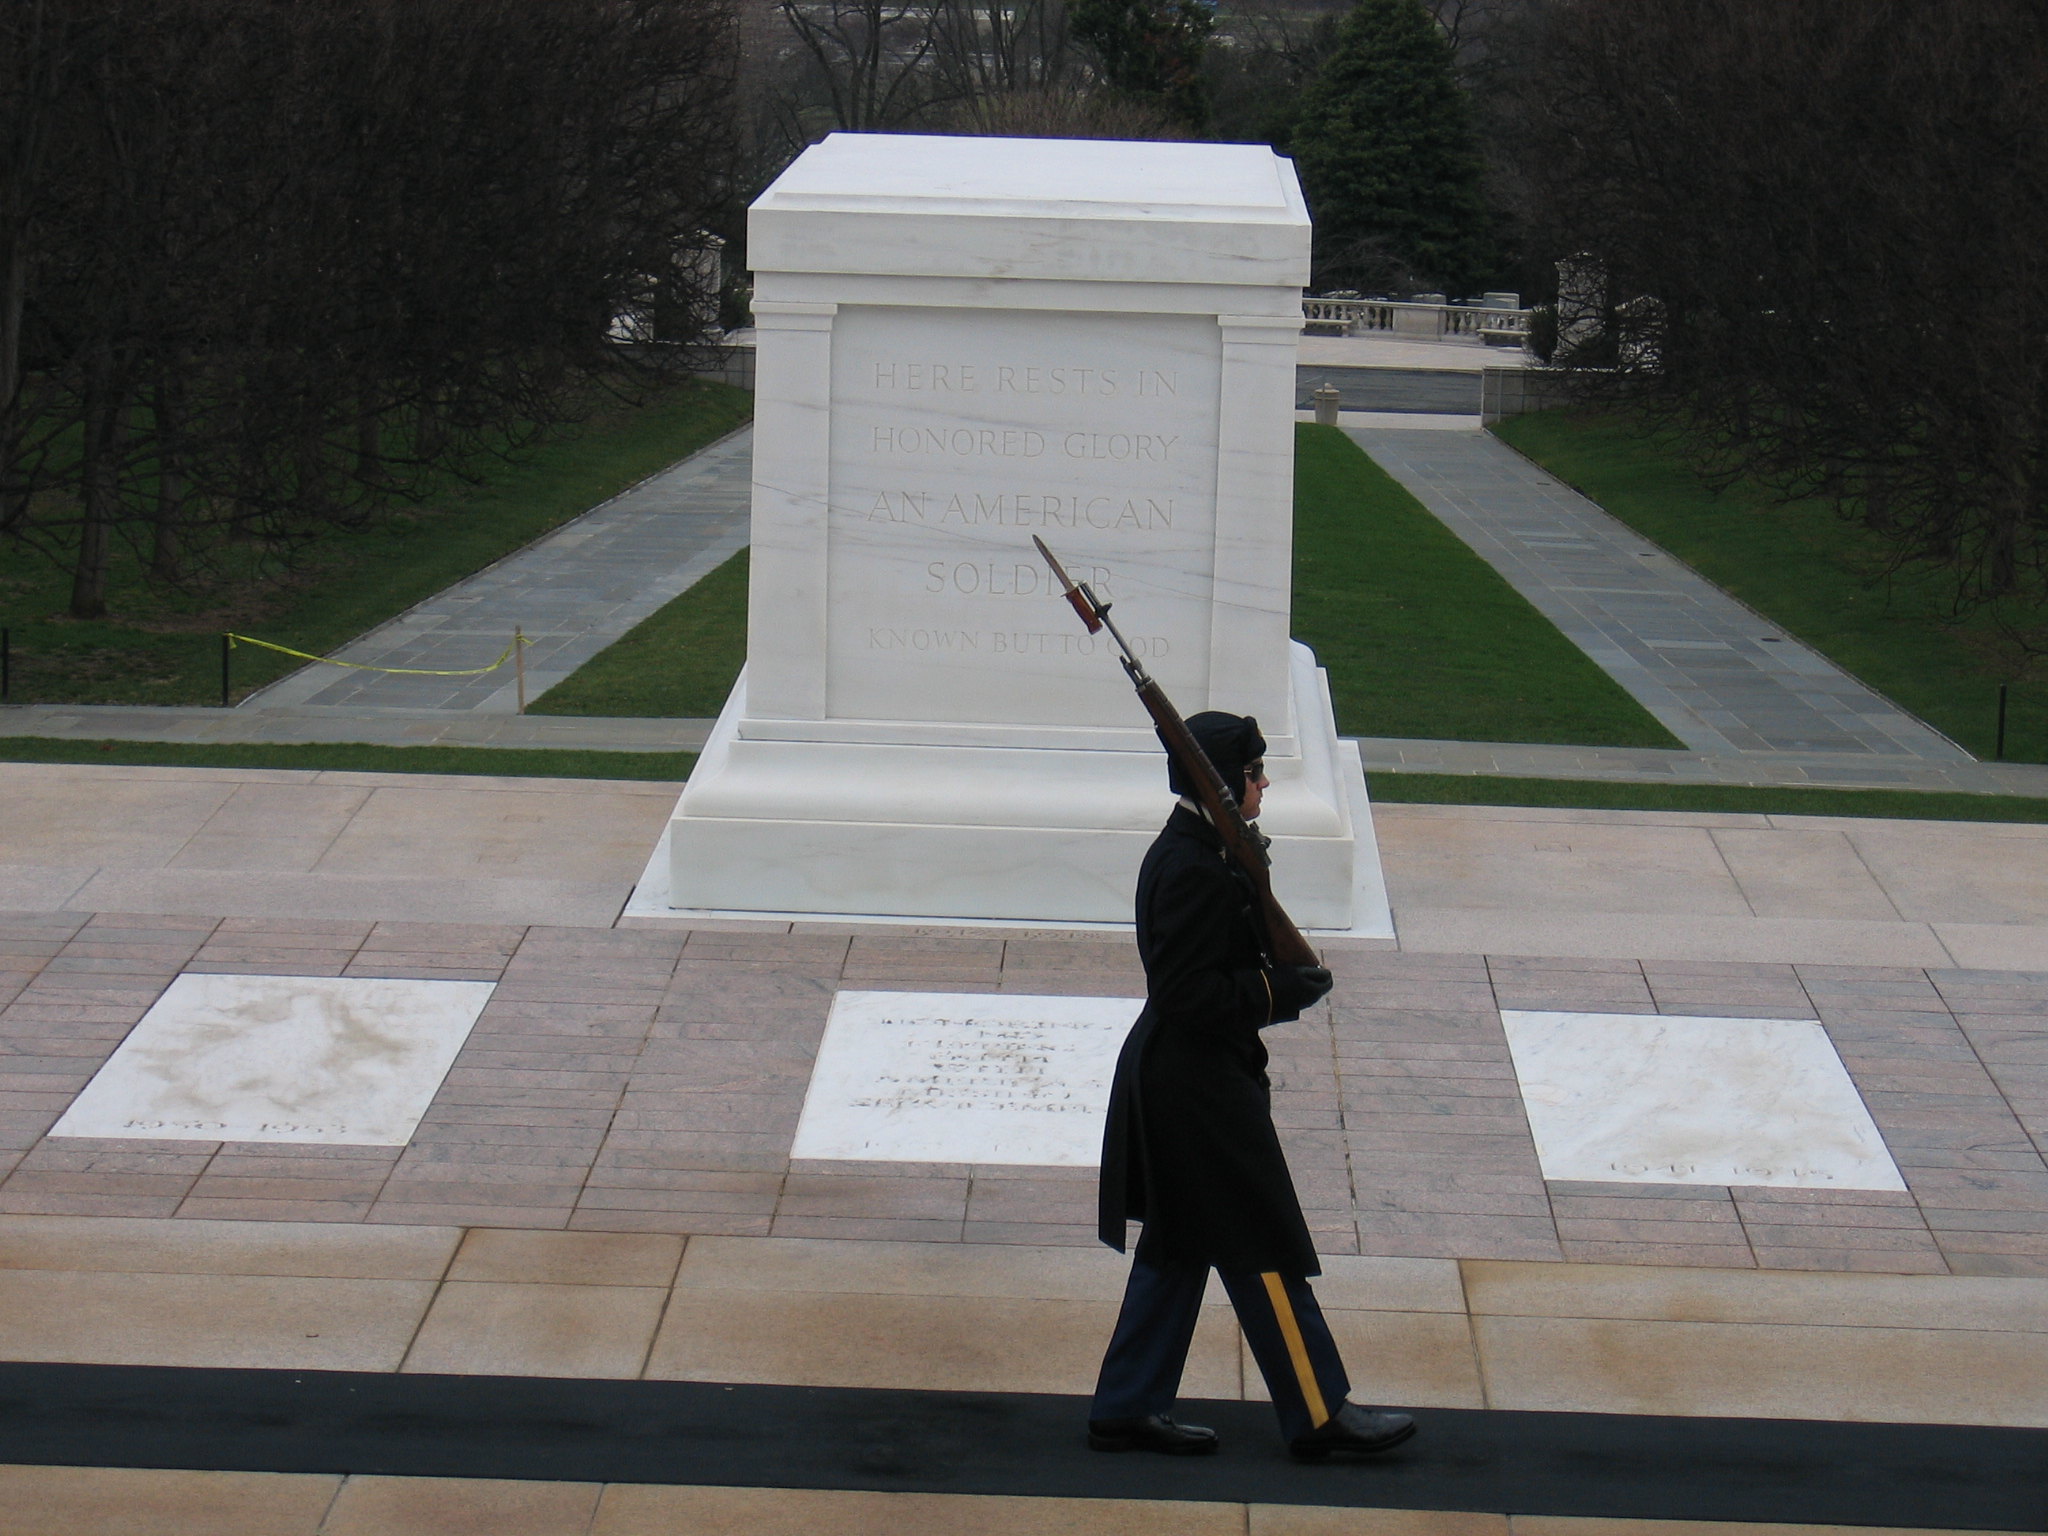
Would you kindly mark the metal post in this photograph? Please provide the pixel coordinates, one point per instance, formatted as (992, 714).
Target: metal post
(1998, 753)
(519, 664)
(6, 663)
(227, 650)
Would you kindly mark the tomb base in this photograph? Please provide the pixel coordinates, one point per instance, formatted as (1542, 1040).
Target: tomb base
(838, 820)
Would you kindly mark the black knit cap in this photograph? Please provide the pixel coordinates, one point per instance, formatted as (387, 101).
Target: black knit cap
(1233, 743)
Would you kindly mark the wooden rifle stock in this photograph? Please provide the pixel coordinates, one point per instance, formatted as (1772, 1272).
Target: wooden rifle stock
(1245, 845)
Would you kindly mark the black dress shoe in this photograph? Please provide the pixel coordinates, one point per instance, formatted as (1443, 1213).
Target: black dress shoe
(1154, 1432)
(1354, 1431)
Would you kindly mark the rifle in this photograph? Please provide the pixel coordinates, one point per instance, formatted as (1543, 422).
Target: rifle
(1245, 844)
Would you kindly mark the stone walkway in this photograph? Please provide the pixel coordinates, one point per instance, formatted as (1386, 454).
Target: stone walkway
(423, 848)
(602, 1187)
(377, 726)
(573, 592)
(1381, 754)
(651, 1081)
(1660, 765)
(1720, 677)
(648, 1076)
(556, 1312)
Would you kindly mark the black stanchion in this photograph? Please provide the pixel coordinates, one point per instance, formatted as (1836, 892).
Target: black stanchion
(1998, 752)
(6, 664)
(227, 651)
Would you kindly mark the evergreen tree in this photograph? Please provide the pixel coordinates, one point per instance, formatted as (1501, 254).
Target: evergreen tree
(1150, 49)
(1388, 158)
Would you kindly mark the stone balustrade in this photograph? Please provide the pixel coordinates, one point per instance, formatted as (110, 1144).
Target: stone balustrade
(1471, 322)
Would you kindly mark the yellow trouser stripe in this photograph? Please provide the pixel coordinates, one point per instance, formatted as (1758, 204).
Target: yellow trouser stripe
(1290, 1330)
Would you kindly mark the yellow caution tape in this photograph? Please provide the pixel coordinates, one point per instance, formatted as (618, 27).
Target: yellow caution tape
(365, 667)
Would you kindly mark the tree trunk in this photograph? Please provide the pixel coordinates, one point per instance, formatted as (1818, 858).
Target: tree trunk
(2005, 527)
(36, 85)
(370, 448)
(309, 466)
(96, 489)
(13, 297)
(167, 545)
(99, 493)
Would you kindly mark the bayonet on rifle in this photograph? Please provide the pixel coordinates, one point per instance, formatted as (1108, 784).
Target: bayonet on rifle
(1083, 600)
(1245, 844)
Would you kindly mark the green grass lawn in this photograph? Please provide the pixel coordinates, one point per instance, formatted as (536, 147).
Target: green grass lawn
(1421, 637)
(357, 757)
(1585, 794)
(1805, 569)
(164, 648)
(677, 664)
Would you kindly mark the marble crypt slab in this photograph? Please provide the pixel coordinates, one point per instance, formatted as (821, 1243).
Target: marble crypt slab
(352, 1060)
(963, 343)
(1667, 1099)
(939, 1077)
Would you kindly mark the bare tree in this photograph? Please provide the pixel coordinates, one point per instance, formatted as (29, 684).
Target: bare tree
(996, 49)
(1064, 112)
(869, 58)
(1467, 26)
(1824, 241)
(1007, 67)
(263, 267)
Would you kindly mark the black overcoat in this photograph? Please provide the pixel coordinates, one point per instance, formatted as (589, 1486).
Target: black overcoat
(1189, 1148)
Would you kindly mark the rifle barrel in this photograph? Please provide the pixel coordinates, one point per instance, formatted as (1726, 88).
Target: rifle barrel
(1285, 944)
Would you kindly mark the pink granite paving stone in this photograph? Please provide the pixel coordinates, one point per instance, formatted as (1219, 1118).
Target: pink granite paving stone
(650, 1080)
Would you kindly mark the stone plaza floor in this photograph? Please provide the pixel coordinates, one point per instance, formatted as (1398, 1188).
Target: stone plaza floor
(650, 1081)
(601, 1191)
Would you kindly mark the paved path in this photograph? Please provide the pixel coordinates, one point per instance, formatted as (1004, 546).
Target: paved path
(574, 592)
(1658, 765)
(1382, 755)
(381, 727)
(1690, 886)
(1720, 677)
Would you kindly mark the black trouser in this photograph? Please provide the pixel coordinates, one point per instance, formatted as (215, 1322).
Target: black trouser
(1281, 1322)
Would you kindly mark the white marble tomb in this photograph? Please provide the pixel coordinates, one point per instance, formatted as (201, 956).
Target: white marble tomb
(938, 1077)
(1664, 1099)
(963, 343)
(351, 1060)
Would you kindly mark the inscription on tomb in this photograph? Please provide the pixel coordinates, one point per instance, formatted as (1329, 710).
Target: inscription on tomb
(1027, 379)
(1663, 1099)
(1022, 443)
(963, 1078)
(1021, 510)
(1009, 642)
(956, 435)
(281, 1059)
